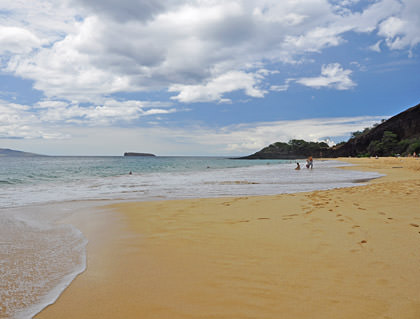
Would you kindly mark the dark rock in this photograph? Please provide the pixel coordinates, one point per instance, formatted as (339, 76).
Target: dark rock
(139, 154)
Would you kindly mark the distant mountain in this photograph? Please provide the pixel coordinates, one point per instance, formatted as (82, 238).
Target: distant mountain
(398, 135)
(5, 152)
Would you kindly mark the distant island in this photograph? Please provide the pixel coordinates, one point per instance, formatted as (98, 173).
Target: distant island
(399, 135)
(5, 152)
(139, 154)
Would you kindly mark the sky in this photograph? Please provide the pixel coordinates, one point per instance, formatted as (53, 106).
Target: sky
(201, 77)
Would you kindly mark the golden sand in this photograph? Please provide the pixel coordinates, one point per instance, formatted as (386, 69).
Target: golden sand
(343, 253)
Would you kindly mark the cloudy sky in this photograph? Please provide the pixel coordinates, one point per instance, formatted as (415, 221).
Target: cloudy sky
(201, 77)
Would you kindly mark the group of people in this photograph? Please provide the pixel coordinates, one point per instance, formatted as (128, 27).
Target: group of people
(309, 163)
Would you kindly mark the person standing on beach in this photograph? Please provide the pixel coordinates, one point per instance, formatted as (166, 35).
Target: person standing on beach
(298, 166)
(309, 162)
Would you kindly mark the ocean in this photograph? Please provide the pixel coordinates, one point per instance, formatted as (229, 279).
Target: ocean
(39, 256)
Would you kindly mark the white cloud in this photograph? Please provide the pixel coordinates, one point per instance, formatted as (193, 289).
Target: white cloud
(376, 47)
(214, 90)
(17, 40)
(108, 113)
(125, 10)
(18, 122)
(234, 140)
(254, 136)
(279, 88)
(47, 20)
(97, 48)
(40, 121)
(401, 29)
(391, 28)
(332, 76)
(282, 87)
(72, 130)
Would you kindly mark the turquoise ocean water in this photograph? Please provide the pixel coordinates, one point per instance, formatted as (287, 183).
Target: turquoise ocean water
(36, 180)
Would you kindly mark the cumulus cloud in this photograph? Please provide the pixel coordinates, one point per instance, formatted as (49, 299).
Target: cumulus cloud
(47, 20)
(332, 76)
(142, 10)
(214, 90)
(17, 122)
(41, 120)
(108, 113)
(401, 30)
(103, 47)
(17, 40)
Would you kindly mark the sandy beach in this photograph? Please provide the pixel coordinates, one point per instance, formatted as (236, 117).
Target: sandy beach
(342, 253)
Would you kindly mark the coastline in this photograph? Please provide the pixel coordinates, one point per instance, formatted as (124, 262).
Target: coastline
(340, 253)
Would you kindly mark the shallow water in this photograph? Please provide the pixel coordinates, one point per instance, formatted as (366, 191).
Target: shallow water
(26, 181)
(38, 259)
(39, 256)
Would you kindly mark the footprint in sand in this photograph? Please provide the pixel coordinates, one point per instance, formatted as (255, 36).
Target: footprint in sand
(414, 225)
(263, 218)
(233, 222)
(355, 226)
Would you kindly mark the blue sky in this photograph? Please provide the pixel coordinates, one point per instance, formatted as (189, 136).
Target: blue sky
(201, 77)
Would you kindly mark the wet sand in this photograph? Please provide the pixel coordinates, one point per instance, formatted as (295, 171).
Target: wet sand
(342, 253)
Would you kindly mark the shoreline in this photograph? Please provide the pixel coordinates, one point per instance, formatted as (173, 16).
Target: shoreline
(253, 256)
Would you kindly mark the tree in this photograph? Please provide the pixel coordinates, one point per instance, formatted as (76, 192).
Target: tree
(375, 148)
(414, 147)
(390, 142)
(359, 133)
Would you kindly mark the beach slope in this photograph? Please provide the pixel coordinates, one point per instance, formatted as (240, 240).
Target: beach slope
(342, 253)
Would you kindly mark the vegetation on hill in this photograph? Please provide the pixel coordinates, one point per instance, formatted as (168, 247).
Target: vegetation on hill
(399, 135)
(391, 145)
(292, 149)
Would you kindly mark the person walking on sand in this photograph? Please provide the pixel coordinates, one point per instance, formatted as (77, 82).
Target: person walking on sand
(309, 162)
